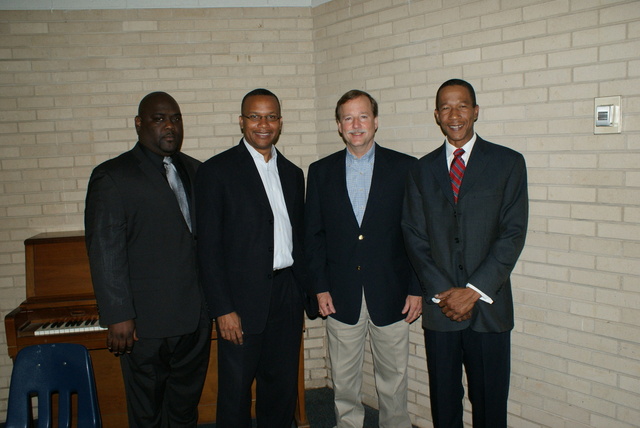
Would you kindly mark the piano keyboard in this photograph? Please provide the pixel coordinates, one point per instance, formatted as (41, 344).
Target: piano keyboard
(68, 327)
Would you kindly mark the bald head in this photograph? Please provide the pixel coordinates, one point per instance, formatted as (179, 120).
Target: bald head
(159, 124)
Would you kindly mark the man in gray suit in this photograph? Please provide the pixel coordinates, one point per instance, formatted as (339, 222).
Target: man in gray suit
(142, 254)
(464, 222)
(361, 274)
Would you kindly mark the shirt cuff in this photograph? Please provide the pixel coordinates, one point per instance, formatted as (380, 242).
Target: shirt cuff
(483, 296)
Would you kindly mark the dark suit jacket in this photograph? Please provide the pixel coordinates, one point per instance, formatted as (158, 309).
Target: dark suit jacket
(235, 234)
(344, 257)
(477, 241)
(141, 252)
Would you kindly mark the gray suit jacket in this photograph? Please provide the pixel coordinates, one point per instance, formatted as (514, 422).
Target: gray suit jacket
(477, 241)
(141, 252)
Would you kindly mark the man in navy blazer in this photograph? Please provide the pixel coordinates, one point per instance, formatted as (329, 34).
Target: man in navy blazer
(464, 241)
(142, 254)
(361, 274)
(250, 225)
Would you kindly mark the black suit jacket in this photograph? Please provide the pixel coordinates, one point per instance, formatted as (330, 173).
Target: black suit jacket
(344, 257)
(477, 241)
(235, 234)
(141, 252)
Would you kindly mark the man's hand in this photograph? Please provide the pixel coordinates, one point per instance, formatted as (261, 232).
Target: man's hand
(413, 308)
(121, 336)
(325, 304)
(230, 327)
(457, 303)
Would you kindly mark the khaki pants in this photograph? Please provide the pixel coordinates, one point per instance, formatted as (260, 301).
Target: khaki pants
(390, 349)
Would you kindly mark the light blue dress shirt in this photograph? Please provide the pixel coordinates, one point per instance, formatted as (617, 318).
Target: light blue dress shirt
(359, 175)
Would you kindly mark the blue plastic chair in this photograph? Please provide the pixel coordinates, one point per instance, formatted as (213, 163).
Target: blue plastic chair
(61, 369)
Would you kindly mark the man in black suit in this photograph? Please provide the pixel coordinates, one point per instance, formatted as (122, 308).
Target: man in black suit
(464, 222)
(142, 254)
(250, 220)
(361, 274)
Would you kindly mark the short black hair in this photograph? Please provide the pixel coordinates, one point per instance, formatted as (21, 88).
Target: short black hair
(457, 82)
(351, 95)
(259, 91)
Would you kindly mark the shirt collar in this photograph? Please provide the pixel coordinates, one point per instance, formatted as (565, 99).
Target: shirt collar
(366, 158)
(155, 158)
(256, 155)
(468, 146)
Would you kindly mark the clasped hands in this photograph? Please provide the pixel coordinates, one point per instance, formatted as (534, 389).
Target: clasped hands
(457, 303)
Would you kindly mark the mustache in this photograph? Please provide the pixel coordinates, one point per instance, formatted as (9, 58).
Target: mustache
(357, 131)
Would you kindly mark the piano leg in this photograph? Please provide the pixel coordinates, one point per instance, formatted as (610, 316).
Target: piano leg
(111, 398)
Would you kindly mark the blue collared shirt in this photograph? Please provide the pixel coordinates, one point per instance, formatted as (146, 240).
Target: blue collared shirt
(359, 174)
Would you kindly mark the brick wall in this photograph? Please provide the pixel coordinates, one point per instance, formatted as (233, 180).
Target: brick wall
(70, 83)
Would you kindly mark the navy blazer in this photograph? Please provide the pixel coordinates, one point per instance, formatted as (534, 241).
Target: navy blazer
(141, 252)
(345, 258)
(235, 235)
(477, 241)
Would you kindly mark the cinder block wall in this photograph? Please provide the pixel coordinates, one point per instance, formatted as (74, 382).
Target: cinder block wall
(70, 83)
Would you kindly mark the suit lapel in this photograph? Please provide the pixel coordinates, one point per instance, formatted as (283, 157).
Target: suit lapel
(159, 183)
(378, 184)
(440, 170)
(475, 169)
(153, 173)
(249, 175)
(288, 182)
(191, 173)
(343, 202)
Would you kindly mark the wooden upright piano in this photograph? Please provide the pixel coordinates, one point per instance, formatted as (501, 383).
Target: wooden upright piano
(61, 307)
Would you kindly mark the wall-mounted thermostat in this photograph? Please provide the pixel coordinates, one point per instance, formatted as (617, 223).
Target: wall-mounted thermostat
(608, 118)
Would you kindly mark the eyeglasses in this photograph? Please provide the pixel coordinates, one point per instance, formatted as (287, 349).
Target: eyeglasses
(258, 118)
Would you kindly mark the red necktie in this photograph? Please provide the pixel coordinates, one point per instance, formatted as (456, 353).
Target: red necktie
(456, 173)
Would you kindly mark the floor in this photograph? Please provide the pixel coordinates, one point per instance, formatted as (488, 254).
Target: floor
(319, 406)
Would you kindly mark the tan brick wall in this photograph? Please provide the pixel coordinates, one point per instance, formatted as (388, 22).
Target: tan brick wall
(536, 66)
(70, 82)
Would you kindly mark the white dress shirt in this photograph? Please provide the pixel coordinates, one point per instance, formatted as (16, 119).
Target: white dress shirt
(282, 231)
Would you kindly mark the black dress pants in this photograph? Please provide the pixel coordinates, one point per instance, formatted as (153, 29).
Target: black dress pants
(164, 377)
(487, 361)
(271, 358)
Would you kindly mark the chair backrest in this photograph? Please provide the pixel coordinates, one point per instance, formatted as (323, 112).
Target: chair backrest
(61, 369)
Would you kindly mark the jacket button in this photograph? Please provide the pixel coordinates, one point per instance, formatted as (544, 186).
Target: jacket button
(360, 238)
(460, 267)
(358, 267)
